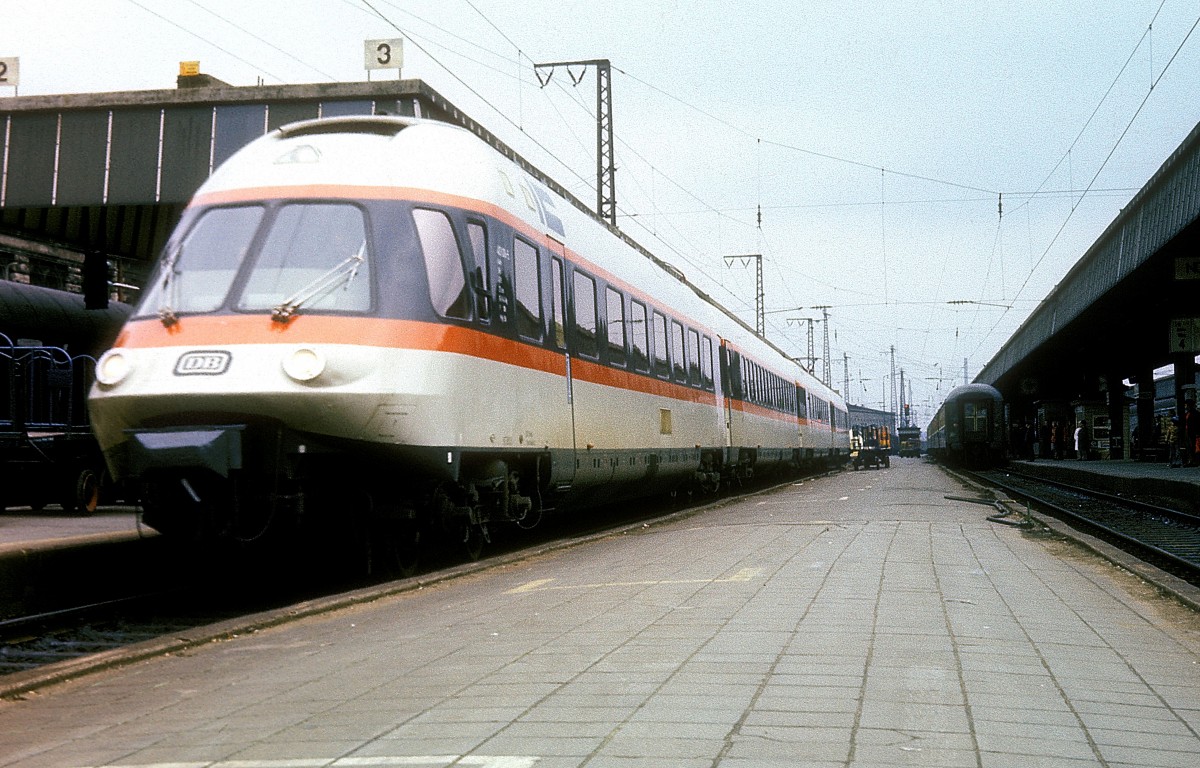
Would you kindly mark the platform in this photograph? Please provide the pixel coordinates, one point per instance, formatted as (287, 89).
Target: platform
(857, 620)
(1177, 487)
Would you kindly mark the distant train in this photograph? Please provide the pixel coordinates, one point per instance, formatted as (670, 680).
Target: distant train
(48, 348)
(968, 430)
(381, 328)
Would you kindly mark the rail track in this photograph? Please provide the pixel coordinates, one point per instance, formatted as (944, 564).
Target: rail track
(1166, 538)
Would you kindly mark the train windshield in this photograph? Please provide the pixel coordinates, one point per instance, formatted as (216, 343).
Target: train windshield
(314, 255)
(196, 274)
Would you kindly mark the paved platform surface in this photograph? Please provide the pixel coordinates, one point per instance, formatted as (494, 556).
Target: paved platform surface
(857, 620)
(23, 529)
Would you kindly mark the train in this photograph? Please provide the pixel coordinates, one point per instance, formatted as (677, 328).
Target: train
(909, 436)
(968, 429)
(49, 343)
(383, 328)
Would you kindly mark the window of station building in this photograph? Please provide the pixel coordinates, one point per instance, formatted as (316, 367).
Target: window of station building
(585, 315)
(639, 337)
(662, 365)
(443, 263)
(693, 355)
(195, 275)
(481, 277)
(679, 363)
(558, 327)
(706, 363)
(315, 255)
(527, 278)
(616, 326)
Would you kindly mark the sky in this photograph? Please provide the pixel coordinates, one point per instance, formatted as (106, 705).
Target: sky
(925, 170)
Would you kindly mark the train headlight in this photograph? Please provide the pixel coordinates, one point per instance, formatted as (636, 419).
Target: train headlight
(304, 364)
(113, 367)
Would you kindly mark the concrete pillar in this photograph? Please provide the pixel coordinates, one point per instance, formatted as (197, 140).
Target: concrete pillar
(1145, 409)
(1116, 416)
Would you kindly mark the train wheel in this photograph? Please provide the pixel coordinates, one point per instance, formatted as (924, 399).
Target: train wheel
(473, 538)
(87, 492)
(396, 547)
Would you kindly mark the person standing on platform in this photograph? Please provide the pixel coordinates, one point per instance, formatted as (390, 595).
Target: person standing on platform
(1191, 434)
(1173, 441)
(1079, 441)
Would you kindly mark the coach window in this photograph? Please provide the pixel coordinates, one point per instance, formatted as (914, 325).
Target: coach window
(528, 279)
(585, 315)
(315, 256)
(481, 276)
(693, 356)
(662, 366)
(678, 361)
(558, 327)
(616, 326)
(639, 336)
(706, 363)
(443, 264)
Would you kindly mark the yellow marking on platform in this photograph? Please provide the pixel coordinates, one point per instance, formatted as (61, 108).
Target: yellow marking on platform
(746, 574)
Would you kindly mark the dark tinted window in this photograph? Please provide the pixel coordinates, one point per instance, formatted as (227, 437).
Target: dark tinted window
(616, 326)
(528, 279)
(639, 337)
(443, 263)
(585, 315)
(661, 365)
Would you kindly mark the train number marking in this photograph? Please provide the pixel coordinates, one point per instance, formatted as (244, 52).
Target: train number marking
(205, 363)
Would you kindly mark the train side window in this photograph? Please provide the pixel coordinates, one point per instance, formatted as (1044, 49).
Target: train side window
(443, 263)
(639, 336)
(662, 365)
(679, 362)
(585, 315)
(706, 363)
(528, 279)
(558, 326)
(693, 356)
(616, 326)
(481, 275)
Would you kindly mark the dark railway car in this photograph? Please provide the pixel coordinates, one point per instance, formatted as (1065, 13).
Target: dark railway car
(968, 430)
(910, 441)
(48, 348)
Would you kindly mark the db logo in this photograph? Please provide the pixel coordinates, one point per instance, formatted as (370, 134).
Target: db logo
(209, 363)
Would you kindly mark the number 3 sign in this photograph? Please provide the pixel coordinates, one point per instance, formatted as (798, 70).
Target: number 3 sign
(383, 54)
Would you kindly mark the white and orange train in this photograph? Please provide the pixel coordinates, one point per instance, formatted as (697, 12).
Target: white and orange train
(383, 325)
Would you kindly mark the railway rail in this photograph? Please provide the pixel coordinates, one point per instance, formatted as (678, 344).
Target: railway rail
(1166, 538)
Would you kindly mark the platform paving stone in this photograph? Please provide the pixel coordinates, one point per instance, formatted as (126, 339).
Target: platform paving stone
(856, 620)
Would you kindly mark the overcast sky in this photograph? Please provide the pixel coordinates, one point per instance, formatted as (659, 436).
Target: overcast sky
(878, 139)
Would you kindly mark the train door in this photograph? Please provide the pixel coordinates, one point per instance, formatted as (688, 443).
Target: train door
(565, 463)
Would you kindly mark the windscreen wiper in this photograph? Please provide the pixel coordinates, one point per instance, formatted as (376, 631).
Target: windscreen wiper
(340, 274)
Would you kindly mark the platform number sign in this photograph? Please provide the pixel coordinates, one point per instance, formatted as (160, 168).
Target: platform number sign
(1185, 334)
(383, 54)
(10, 70)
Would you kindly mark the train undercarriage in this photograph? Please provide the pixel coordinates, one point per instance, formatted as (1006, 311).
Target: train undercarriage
(253, 487)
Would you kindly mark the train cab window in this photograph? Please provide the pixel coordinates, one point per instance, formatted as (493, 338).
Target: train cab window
(585, 315)
(195, 275)
(558, 326)
(693, 356)
(678, 362)
(315, 255)
(443, 263)
(616, 326)
(662, 366)
(639, 336)
(481, 275)
(528, 280)
(706, 363)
